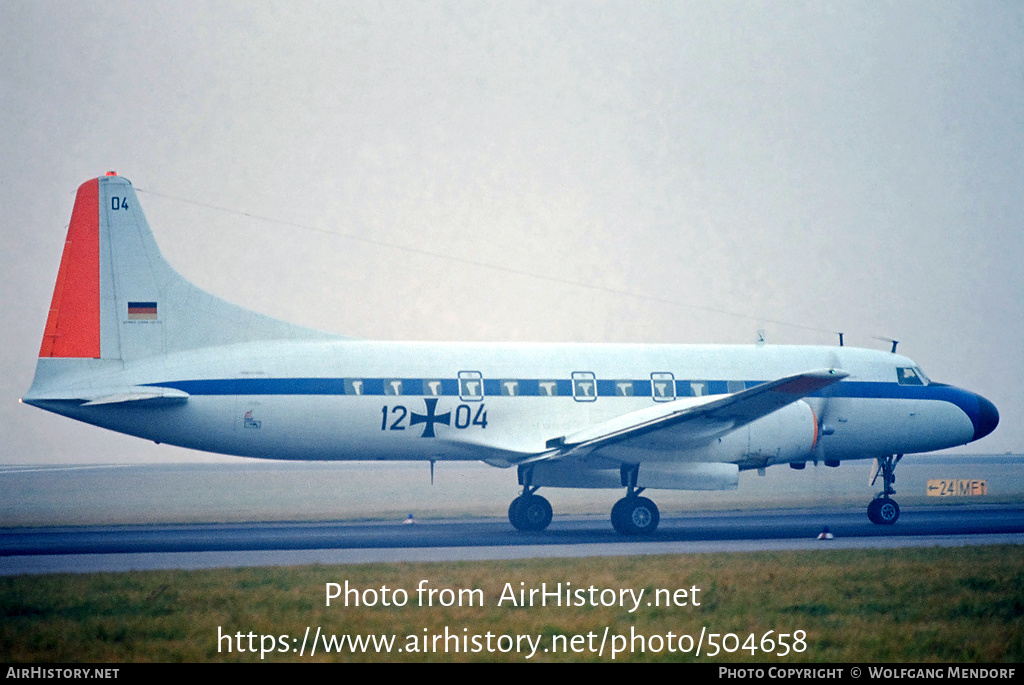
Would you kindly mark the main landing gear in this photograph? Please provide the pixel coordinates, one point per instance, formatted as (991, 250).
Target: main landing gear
(634, 515)
(631, 515)
(883, 510)
(529, 512)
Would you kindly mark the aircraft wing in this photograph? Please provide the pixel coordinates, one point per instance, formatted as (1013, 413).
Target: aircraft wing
(690, 420)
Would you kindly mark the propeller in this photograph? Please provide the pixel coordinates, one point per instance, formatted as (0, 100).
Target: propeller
(825, 414)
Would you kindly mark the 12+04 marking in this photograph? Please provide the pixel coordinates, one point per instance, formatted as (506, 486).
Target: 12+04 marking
(397, 417)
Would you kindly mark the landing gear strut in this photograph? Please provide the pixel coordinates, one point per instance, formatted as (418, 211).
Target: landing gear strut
(529, 511)
(883, 510)
(634, 515)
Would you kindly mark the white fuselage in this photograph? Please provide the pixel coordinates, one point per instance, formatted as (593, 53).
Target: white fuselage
(356, 400)
(131, 345)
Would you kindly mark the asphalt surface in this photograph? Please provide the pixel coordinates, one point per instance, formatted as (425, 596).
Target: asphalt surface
(118, 548)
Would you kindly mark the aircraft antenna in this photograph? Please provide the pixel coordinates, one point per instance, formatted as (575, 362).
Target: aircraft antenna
(487, 265)
(889, 340)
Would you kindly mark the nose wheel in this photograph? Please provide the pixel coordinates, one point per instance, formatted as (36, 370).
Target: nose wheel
(883, 510)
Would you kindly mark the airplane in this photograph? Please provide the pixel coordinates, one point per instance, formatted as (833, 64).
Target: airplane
(132, 346)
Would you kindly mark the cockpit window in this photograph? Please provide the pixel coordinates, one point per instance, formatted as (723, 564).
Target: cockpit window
(910, 375)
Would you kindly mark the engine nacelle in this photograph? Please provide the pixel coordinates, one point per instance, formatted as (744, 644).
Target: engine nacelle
(787, 435)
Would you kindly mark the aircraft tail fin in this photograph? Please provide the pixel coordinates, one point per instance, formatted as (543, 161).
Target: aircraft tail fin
(73, 324)
(116, 298)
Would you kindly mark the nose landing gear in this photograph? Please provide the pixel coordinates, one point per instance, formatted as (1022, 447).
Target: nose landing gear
(883, 510)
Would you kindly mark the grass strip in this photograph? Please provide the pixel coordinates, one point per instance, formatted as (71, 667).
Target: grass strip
(909, 605)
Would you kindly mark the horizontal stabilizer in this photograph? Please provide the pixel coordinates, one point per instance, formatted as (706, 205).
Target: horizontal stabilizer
(147, 396)
(141, 396)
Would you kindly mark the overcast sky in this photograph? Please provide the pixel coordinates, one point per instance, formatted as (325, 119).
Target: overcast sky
(597, 172)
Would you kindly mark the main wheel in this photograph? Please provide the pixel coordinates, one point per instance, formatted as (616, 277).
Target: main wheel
(883, 511)
(513, 513)
(530, 513)
(635, 516)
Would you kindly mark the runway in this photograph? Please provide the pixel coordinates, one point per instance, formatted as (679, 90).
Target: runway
(190, 546)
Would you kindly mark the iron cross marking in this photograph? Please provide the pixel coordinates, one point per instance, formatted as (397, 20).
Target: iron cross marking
(431, 418)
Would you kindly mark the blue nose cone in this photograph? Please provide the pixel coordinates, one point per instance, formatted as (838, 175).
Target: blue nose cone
(986, 420)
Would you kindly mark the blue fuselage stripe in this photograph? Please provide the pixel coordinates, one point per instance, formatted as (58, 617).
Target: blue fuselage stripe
(534, 387)
(982, 413)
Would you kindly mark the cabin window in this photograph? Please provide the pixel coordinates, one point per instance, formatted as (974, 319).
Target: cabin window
(663, 386)
(584, 386)
(626, 389)
(471, 386)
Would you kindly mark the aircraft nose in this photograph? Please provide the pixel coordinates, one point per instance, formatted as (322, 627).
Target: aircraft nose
(986, 420)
